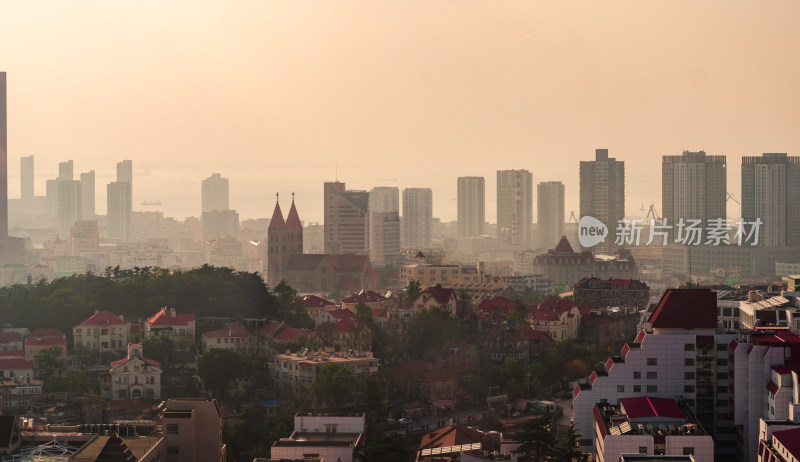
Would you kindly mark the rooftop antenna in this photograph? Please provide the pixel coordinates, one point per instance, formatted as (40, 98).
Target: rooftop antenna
(292, 197)
(277, 198)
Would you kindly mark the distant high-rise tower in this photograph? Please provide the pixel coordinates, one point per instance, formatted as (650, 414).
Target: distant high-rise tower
(120, 202)
(87, 196)
(471, 205)
(215, 193)
(384, 225)
(770, 187)
(384, 199)
(602, 193)
(12, 250)
(26, 179)
(515, 206)
(69, 206)
(417, 219)
(218, 223)
(550, 213)
(125, 171)
(693, 187)
(3, 162)
(346, 220)
(66, 171)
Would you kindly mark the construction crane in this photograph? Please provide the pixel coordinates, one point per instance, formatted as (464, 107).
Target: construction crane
(733, 198)
(572, 217)
(653, 213)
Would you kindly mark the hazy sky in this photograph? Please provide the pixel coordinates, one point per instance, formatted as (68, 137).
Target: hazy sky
(275, 94)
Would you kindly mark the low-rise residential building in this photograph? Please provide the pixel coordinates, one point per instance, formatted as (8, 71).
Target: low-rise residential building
(133, 377)
(537, 283)
(436, 297)
(234, 336)
(333, 316)
(103, 332)
(315, 305)
(368, 297)
(334, 437)
(10, 340)
(649, 425)
(600, 293)
(180, 328)
(276, 333)
(301, 368)
(41, 339)
(193, 430)
(16, 368)
(559, 319)
(16, 395)
(428, 274)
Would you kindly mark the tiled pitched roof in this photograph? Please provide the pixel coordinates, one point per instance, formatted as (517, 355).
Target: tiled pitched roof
(289, 334)
(440, 294)
(341, 314)
(103, 318)
(45, 341)
(497, 304)
(293, 220)
(12, 353)
(345, 325)
(45, 332)
(152, 362)
(14, 364)
(564, 246)
(312, 301)
(165, 317)
(454, 435)
(790, 439)
(365, 296)
(686, 309)
(647, 406)
(277, 218)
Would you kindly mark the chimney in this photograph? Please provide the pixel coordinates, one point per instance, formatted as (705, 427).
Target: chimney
(172, 311)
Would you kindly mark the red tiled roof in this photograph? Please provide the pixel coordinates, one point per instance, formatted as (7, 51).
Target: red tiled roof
(231, 331)
(152, 362)
(686, 309)
(293, 220)
(774, 338)
(379, 312)
(647, 406)
(269, 327)
(365, 296)
(773, 387)
(341, 314)
(165, 318)
(46, 341)
(783, 370)
(790, 439)
(498, 304)
(14, 364)
(440, 294)
(45, 332)
(345, 325)
(9, 336)
(103, 318)
(12, 353)
(454, 435)
(312, 301)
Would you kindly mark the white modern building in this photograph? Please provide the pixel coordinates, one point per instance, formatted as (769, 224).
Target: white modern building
(334, 437)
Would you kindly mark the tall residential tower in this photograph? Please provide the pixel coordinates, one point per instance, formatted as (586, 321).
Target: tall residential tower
(515, 206)
(417, 217)
(471, 205)
(550, 213)
(693, 187)
(602, 192)
(770, 185)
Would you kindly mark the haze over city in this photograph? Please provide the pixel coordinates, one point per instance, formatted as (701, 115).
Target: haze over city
(282, 96)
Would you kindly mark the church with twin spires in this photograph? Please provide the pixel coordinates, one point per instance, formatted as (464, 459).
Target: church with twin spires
(311, 273)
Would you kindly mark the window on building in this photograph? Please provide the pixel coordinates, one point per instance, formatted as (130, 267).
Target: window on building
(330, 428)
(688, 347)
(688, 362)
(637, 375)
(688, 388)
(642, 449)
(652, 388)
(688, 451)
(688, 375)
(722, 376)
(172, 450)
(722, 362)
(637, 388)
(652, 361)
(620, 388)
(172, 429)
(652, 375)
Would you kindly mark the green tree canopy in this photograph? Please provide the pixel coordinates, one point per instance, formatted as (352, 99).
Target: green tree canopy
(157, 347)
(335, 384)
(219, 367)
(535, 439)
(431, 329)
(48, 361)
(413, 289)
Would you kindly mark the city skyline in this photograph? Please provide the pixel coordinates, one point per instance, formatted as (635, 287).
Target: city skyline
(317, 95)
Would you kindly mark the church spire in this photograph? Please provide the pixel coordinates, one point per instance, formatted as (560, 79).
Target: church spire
(277, 215)
(293, 219)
